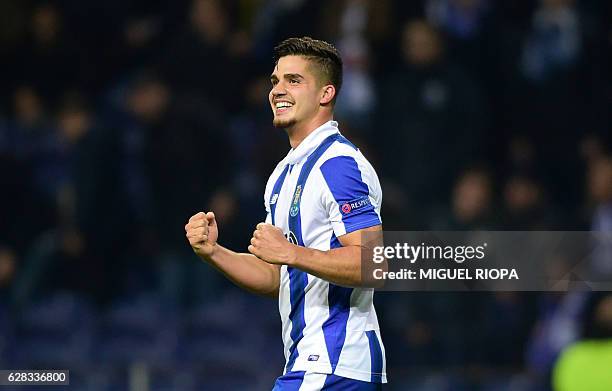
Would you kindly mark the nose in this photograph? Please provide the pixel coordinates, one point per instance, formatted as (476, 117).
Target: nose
(278, 90)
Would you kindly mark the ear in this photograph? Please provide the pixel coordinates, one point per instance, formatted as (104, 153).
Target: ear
(329, 92)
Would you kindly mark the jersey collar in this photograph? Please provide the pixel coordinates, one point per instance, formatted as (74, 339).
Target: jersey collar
(311, 142)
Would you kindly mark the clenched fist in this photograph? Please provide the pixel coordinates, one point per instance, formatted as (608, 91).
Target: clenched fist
(269, 244)
(202, 233)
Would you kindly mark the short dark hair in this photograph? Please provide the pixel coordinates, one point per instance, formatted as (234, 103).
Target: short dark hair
(324, 54)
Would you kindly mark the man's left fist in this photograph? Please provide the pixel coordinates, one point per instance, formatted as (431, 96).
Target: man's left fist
(269, 244)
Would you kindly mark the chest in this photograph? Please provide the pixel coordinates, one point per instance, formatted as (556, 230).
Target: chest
(296, 203)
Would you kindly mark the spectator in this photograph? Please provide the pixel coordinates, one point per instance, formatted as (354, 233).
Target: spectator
(429, 109)
(469, 27)
(359, 28)
(21, 200)
(200, 59)
(45, 57)
(185, 154)
(472, 203)
(525, 204)
(552, 82)
(554, 42)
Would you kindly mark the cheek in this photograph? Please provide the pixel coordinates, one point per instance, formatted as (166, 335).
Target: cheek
(312, 100)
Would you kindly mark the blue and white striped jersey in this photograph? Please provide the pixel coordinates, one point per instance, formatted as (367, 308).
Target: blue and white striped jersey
(321, 190)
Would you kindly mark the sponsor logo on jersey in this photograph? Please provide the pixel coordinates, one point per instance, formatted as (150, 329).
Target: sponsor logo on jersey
(313, 357)
(274, 198)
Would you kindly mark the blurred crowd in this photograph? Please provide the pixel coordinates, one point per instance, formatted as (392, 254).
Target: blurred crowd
(120, 119)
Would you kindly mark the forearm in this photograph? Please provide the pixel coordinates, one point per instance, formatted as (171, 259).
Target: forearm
(341, 266)
(246, 270)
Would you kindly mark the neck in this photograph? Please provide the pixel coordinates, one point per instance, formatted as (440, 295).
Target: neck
(298, 132)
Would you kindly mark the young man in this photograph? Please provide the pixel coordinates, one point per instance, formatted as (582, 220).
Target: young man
(319, 200)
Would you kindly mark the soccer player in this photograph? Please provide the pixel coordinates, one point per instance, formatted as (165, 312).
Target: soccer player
(319, 200)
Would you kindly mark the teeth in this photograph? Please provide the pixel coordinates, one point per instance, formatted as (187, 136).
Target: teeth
(283, 104)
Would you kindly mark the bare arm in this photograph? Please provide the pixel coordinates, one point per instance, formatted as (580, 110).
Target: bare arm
(341, 266)
(245, 270)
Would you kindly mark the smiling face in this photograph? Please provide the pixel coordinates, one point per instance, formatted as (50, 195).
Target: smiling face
(297, 95)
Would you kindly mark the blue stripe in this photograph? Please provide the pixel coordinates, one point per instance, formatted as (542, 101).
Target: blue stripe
(345, 182)
(298, 280)
(337, 383)
(276, 190)
(297, 286)
(334, 328)
(334, 242)
(375, 357)
(290, 381)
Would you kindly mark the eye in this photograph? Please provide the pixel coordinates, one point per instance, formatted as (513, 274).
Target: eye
(294, 81)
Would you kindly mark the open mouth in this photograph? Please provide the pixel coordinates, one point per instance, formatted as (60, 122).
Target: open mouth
(282, 107)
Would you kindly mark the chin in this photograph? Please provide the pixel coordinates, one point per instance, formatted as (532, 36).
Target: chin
(283, 122)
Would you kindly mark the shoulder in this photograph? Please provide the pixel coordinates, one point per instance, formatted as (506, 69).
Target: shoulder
(340, 150)
(344, 169)
(343, 158)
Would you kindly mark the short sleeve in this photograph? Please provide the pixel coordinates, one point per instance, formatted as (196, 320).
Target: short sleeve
(348, 201)
(266, 201)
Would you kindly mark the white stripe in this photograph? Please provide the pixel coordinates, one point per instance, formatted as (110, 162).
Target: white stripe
(315, 314)
(313, 382)
(284, 307)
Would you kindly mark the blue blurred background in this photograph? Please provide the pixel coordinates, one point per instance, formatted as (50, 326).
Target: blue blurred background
(120, 119)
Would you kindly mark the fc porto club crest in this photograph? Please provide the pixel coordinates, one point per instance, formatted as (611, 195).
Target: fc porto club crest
(295, 204)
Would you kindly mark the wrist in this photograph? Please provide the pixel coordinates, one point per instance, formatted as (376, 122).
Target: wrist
(209, 253)
(294, 257)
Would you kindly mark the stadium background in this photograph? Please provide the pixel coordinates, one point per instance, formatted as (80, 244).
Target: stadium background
(120, 119)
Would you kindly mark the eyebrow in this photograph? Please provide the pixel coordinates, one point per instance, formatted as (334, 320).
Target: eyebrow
(287, 76)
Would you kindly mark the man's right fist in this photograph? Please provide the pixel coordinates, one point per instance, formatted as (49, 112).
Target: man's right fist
(202, 233)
